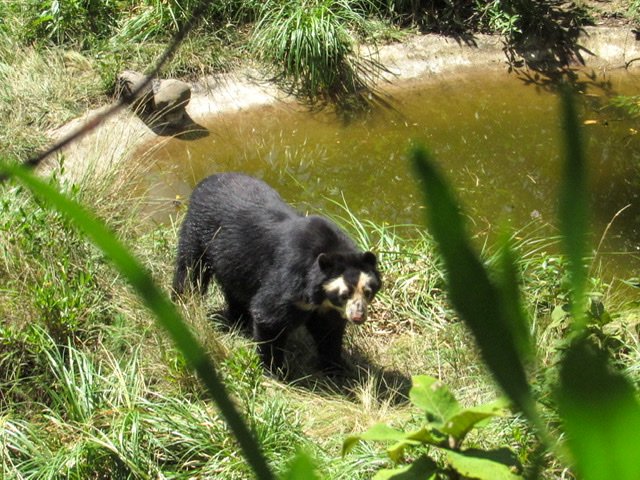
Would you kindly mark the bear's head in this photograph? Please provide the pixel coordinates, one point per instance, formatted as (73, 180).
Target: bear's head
(350, 281)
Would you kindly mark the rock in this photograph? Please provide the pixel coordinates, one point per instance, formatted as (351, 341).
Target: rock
(170, 100)
(161, 103)
(126, 85)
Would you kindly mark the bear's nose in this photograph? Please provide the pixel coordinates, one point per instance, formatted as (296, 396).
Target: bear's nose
(357, 312)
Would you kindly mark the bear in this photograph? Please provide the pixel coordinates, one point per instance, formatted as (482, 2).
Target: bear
(277, 268)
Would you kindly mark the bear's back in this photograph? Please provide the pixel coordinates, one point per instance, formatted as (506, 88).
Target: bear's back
(234, 198)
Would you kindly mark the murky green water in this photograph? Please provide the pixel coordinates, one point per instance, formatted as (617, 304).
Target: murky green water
(497, 140)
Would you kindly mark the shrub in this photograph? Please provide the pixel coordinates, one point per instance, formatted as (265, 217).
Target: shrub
(312, 45)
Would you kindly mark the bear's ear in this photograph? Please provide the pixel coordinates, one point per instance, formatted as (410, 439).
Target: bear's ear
(325, 261)
(369, 258)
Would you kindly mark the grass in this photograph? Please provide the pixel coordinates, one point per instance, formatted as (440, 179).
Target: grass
(313, 49)
(91, 388)
(31, 79)
(108, 395)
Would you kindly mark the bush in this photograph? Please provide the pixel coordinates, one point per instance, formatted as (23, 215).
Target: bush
(313, 48)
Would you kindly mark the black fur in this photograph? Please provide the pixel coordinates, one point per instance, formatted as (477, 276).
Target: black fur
(271, 263)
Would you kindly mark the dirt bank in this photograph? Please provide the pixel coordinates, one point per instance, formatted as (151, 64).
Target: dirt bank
(418, 59)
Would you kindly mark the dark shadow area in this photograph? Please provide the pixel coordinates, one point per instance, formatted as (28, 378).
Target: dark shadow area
(361, 370)
(350, 95)
(185, 128)
(390, 386)
(545, 50)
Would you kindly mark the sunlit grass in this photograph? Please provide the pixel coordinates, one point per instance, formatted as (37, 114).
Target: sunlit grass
(412, 330)
(36, 95)
(312, 45)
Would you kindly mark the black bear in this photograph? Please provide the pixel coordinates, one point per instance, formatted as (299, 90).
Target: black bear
(277, 268)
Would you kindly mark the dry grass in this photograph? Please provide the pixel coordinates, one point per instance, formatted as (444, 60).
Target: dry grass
(40, 90)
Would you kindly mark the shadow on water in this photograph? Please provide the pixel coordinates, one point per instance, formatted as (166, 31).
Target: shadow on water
(186, 129)
(546, 50)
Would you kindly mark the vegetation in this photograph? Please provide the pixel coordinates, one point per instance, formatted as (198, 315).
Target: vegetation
(90, 386)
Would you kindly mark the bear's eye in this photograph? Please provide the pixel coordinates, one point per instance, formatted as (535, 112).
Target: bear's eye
(343, 297)
(368, 293)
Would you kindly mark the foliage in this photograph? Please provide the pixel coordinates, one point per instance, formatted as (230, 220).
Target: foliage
(498, 18)
(107, 418)
(588, 384)
(633, 10)
(628, 103)
(312, 48)
(71, 21)
(447, 425)
(63, 283)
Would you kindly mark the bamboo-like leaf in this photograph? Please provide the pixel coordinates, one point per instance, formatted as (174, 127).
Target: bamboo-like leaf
(163, 309)
(601, 415)
(472, 293)
(573, 207)
(508, 288)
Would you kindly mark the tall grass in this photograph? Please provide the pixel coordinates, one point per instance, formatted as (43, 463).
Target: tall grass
(32, 79)
(313, 46)
(106, 418)
(81, 404)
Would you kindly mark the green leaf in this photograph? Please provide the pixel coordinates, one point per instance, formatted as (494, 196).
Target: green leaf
(573, 208)
(422, 436)
(460, 424)
(601, 415)
(473, 295)
(383, 433)
(164, 310)
(484, 465)
(426, 435)
(559, 316)
(377, 433)
(396, 451)
(508, 288)
(434, 397)
(421, 469)
(301, 468)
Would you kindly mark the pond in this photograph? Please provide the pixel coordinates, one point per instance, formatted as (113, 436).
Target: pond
(496, 138)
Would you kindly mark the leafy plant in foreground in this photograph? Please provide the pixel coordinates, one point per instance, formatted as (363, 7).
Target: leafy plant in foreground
(597, 405)
(446, 427)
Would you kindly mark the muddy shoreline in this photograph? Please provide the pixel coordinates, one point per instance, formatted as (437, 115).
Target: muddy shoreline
(419, 59)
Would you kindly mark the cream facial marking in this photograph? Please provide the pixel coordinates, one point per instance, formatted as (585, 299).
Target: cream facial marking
(336, 286)
(356, 307)
(350, 301)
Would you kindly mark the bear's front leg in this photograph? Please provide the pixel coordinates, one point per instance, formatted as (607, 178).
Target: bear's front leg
(270, 343)
(272, 323)
(327, 329)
